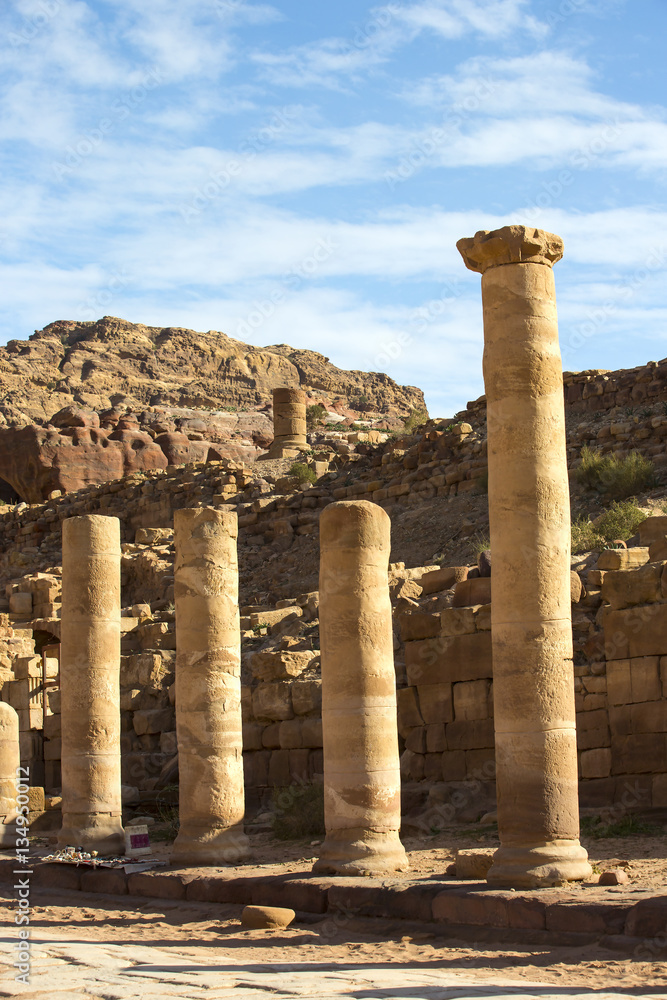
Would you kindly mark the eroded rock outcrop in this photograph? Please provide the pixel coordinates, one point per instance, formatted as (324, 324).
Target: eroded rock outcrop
(86, 403)
(110, 362)
(66, 456)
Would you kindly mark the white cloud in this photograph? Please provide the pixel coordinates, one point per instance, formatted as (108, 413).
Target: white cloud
(329, 62)
(497, 112)
(546, 82)
(224, 278)
(454, 18)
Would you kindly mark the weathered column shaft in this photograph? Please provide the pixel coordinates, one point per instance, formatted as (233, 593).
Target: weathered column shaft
(529, 513)
(362, 790)
(10, 760)
(90, 685)
(289, 420)
(208, 689)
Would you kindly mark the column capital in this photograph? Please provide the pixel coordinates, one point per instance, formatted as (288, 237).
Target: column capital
(510, 245)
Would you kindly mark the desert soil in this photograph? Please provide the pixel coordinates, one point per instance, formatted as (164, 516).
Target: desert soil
(94, 946)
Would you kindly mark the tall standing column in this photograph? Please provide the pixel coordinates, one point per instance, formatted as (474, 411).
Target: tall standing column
(90, 685)
(362, 786)
(208, 689)
(10, 759)
(529, 513)
(289, 422)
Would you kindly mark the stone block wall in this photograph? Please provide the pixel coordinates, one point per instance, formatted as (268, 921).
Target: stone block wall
(445, 711)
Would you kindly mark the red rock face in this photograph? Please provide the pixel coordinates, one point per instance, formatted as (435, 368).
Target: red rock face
(176, 447)
(36, 460)
(79, 448)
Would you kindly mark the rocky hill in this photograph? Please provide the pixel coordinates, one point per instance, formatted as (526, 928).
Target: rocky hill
(112, 363)
(84, 403)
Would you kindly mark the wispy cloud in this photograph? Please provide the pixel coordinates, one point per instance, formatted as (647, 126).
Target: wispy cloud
(154, 167)
(455, 18)
(336, 61)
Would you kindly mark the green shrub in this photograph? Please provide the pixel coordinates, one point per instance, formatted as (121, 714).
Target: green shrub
(615, 477)
(480, 544)
(167, 814)
(625, 477)
(315, 415)
(621, 520)
(298, 811)
(303, 472)
(588, 471)
(585, 536)
(415, 418)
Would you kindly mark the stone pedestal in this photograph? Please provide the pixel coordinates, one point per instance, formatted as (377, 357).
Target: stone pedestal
(362, 791)
(208, 690)
(9, 763)
(90, 685)
(289, 423)
(529, 511)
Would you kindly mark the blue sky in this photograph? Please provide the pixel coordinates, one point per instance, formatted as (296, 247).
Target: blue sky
(299, 173)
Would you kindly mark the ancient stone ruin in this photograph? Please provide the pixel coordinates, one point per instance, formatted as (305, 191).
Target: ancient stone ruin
(90, 685)
(208, 689)
(249, 635)
(10, 761)
(529, 515)
(289, 423)
(362, 785)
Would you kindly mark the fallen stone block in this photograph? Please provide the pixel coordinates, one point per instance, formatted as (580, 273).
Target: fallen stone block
(267, 917)
(474, 863)
(623, 558)
(472, 592)
(281, 664)
(443, 579)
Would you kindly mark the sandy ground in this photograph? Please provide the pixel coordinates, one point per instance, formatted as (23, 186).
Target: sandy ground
(95, 943)
(96, 946)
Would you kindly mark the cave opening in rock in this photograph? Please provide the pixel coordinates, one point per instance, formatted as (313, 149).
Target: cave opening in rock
(8, 494)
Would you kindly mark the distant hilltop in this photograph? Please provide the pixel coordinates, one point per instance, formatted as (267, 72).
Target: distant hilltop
(110, 363)
(92, 402)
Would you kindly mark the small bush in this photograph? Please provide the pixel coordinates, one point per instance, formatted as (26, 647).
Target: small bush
(480, 544)
(616, 477)
(621, 520)
(167, 814)
(625, 477)
(588, 471)
(303, 472)
(585, 536)
(299, 811)
(415, 418)
(315, 415)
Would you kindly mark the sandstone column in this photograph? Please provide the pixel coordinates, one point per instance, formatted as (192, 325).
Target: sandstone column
(10, 760)
(362, 790)
(208, 689)
(529, 511)
(90, 685)
(289, 422)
